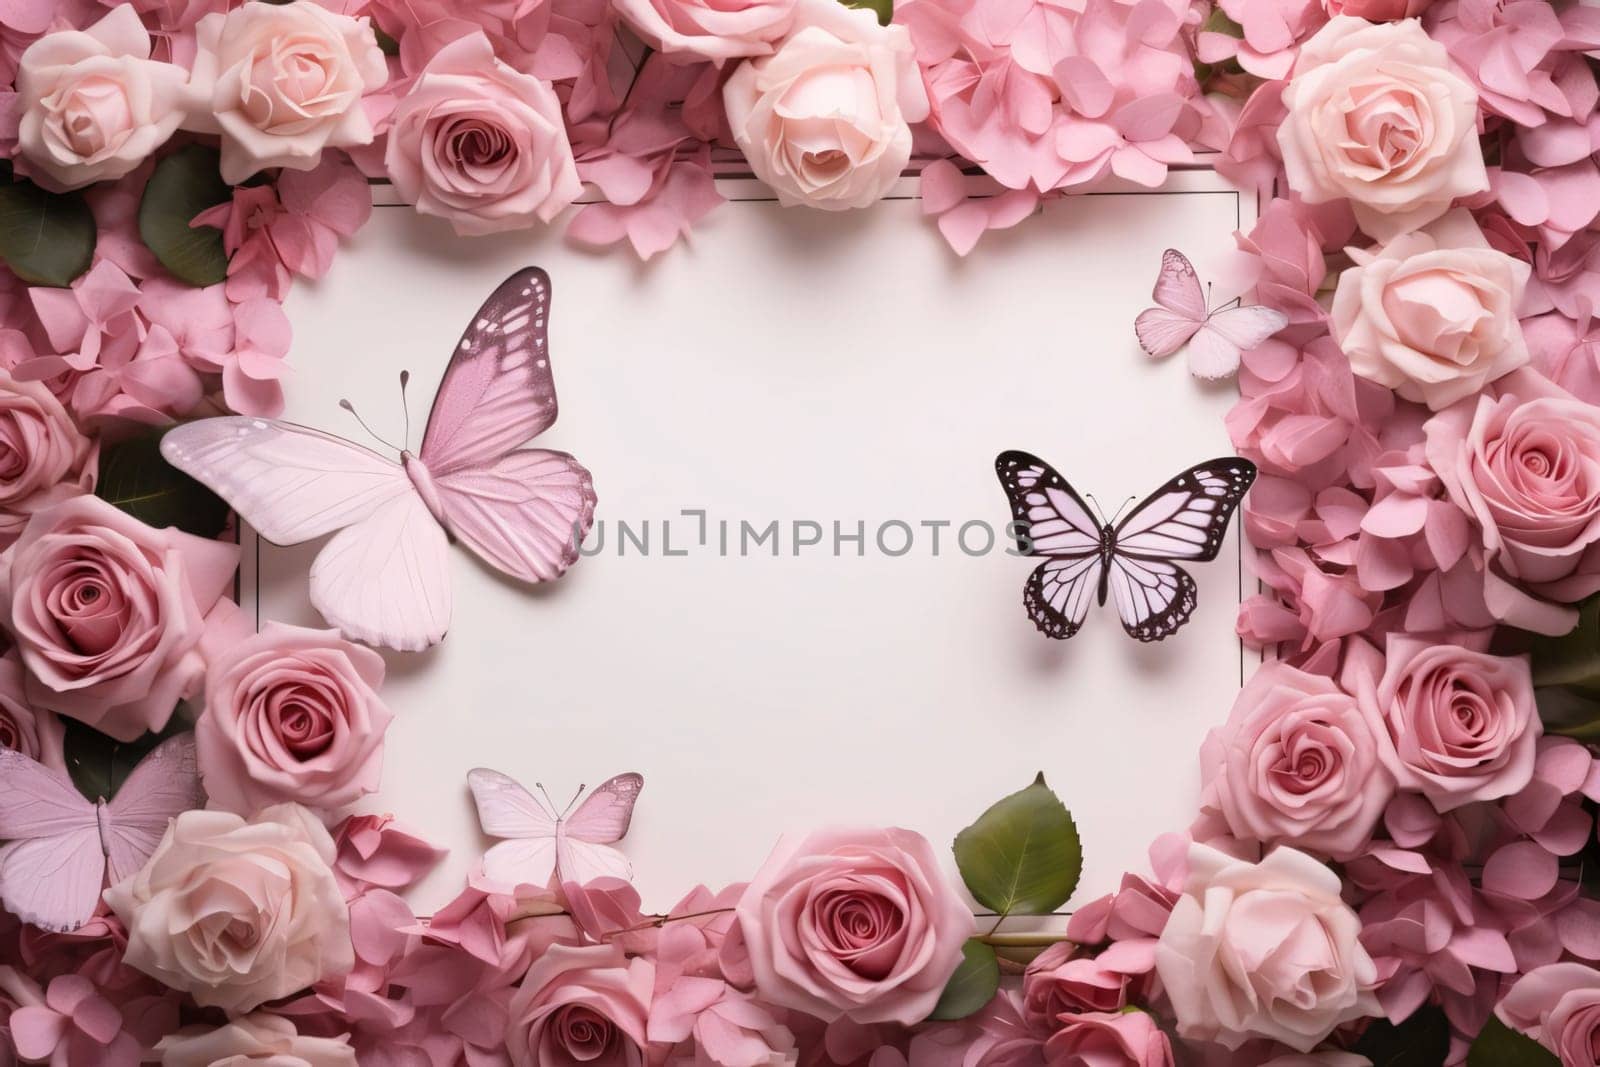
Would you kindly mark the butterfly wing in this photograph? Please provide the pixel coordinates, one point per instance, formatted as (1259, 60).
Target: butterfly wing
(497, 391)
(1187, 517)
(584, 861)
(53, 868)
(1050, 516)
(507, 810)
(385, 579)
(605, 814)
(525, 513)
(289, 482)
(165, 784)
(1059, 592)
(1181, 312)
(1154, 597)
(1216, 347)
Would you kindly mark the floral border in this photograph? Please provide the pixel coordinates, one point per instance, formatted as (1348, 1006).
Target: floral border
(1390, 860)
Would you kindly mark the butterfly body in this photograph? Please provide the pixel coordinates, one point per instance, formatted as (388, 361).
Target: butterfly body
(383, 577)
(1132, 562)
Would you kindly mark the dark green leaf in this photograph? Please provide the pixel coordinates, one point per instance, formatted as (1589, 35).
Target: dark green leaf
(884, 9)
(135, 478)
(45, 238)
(972, 986)
(184, 184)
(1022, 856)
(386, 44)
(1422, 1040)
(1500, 1046)
(1574, 658)
(1570, 711)
(98, 764)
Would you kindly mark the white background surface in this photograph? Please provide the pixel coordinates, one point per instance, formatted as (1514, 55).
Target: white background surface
(795, 365)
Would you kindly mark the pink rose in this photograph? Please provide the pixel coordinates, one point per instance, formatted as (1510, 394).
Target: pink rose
(1264, 950)
(1433, 314)
(254, 1038)
(237, 913)
(1376, 115)
(1296, 763)
(705, 30)
(581, 1006)
(1377, 10)
(1558, 1005)
(1059, 983)
(92, 105)
(23, 728)
(292, 714)
(1108, 1039)
(481, 144)
(43, 456)
(1460, 724)
(282, 82)
(825, 120)
(854, 923)
(108, 614)
(1525, 465)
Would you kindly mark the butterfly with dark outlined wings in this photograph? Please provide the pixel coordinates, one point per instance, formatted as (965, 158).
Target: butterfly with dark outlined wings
(1135, 561)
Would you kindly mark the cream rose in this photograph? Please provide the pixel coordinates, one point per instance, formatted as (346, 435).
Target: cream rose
(717, 30)
(260, 1038)
(1432, 314)
(1377, 116)
(1264, 950)
(825, 120)
(237, 913)
(282, 82)
(92, 104)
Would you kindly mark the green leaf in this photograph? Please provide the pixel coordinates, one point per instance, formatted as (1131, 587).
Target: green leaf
(99, 764)
(1569, 711)
(972, 986)
(884, 9)
(45, 238)
(135, 478)
(1422, 1040)
(1500, 1046)
(184, 184)
(1022, 856)
(1573, 658)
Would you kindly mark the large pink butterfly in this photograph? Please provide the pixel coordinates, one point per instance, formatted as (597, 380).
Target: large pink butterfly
(1214, 338)
(60, 845)
(539, 841)
(383, 578)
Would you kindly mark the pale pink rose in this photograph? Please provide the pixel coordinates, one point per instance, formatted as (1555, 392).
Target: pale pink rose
(855, 923)
(1108, 1039)
(35, 733)
(258, 1038)
(1377, 10)
(1376, 115)
(1296, 763)
(44, 458)
(704, 29)
(92, 104)
(1525, 465)
(237, 913)
(825, 120)
(1264, 950)
(1058, 982)
(108, 614)
(481, 144)
(580, 1006)
(1558, 1005)
(292, 714)
(281, 82)
(1432, 314)
(1461, 724)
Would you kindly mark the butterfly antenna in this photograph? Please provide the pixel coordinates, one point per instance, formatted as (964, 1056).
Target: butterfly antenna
(1098, 509)
(351, 408)
(405, 408)
(567, 810)
(1118, 515)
